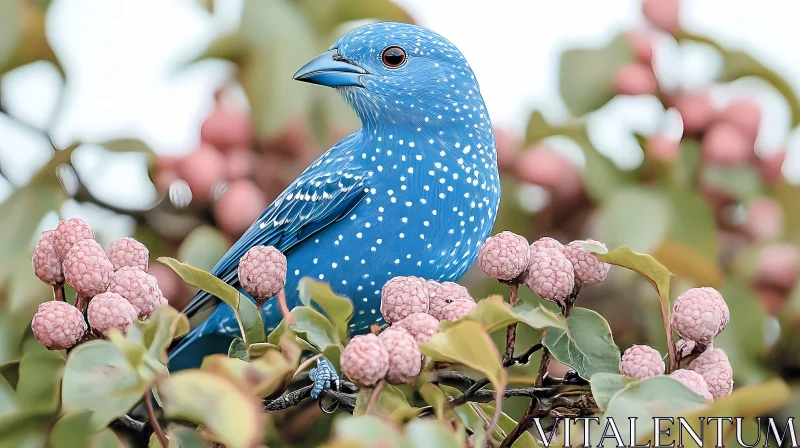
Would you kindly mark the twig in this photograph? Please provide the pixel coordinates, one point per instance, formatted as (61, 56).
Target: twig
(511, 331)
(373, 399)
(524, 424)
(498, 410)
(346, 401)
(287, 316)
(58, 293)
(162, 438)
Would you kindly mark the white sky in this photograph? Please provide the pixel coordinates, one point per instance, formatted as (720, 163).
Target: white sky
(122, 58)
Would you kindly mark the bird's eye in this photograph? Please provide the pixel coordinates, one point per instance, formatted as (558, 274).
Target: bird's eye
(394, 57)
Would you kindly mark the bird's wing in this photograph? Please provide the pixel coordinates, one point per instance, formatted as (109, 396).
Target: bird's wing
(308, 205)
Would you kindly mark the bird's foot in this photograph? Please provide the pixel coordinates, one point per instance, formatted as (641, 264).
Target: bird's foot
(324, 377)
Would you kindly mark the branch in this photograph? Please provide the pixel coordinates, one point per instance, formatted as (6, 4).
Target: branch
(343, 400)
(162, 438)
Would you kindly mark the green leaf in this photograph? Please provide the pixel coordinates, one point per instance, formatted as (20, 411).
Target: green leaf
(391, 401)
(367, 431)
(506, 424)
(10, 28)
(469, 344)
(634, 217)
(741, 182)
(655, 273)
(232, 414)
(280, 40)
(127, 145)
(639, 400)
(39, 381)
(606, 385)
(434, 397)
(257, 350)
(99, 378)
(326, 16)
(313, 327)
(493, 313)
(203, 247)
(24, 429)
(157, 332)
(587, 345)
(238, 350)
(133, 351)
(8, 398)
(27, 36)
(180, 437)
(229, 47)
(586, 75)
(430, 433)
(71, 430)
(339, 309)
(247, 314)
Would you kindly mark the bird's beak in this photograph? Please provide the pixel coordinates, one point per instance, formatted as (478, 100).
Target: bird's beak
(332, 70)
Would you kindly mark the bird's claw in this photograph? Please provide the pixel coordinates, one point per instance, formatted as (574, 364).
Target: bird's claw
(324, 377)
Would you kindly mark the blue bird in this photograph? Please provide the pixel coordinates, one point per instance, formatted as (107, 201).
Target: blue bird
(415, 191)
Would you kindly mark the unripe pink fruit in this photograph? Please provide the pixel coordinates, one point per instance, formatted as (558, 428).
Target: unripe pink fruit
(137, 287)
(642, 43)
(58, 325)
(405, 359)
(457, 309)
(547, 243)
(507, 149)
(694, 381)
(241, 204)
(779, 265)
(548, 169)
(662, 148)
(172, 287)
(504, 256)
(589, 270)
(641, 361)
(725, 144)
(714, 366)
(771, 167)
(45, 261)
(696, 111)
(87, 269)
(68, 232)
(550, 275)
(662, 14)
(225, 129)
(695, 316)
(403, 296)
(109, 310)
(764, 219)
(202, 170)
(128, 252)
(420, 325)
(241, 163)
(745, 115)
(262, 272)
(635, 78)
(441, 294)
(365, 360)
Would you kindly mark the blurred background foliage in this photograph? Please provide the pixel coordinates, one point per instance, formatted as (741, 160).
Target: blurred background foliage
(703, 196)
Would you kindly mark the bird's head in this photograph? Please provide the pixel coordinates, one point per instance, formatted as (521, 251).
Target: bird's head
(401, 74)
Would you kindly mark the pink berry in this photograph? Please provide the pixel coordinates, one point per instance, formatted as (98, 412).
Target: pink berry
(635, 78)
(457, 309)
(202, 170)
(745, 115)
(420, 325)
(662, 148)
(545, 167)
(241, 163)
(364, 360)
(764, 219)
(725, 144)
(58, 325)
(696, 111)
(662, 14)
(547, 243)
(262, 272)
(137, 287)
(403, 296)
(714, 366)
(240, 205)
(110, 310)
(696, 316)
(68, 232)
(642, 43)
(779, 265)
(128, 252)
(405, 359)
(550, 275)
(87, 269)
(589, 270)
(46, 264)
(771, 167)
(441, 294)
(641, 361)
(715, 299)
(226, 129)
(694, 381)
(507, 149)
(504, 256)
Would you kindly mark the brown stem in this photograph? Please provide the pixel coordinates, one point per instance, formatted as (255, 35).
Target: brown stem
(287, 316)
(373, 399)
(513, 293)
(82, 303)
(58, 293)
(524, 424)
(162, 438)
(498, 410)
(511, 331)
(543, 366)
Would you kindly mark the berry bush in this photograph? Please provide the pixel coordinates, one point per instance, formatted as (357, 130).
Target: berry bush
(664, 288)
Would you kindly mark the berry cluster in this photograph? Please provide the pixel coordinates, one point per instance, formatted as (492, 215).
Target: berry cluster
(549, 268)
(413, 307)
(113, 287)
(698, 315)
